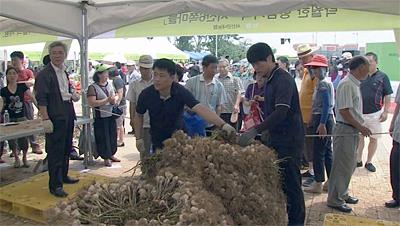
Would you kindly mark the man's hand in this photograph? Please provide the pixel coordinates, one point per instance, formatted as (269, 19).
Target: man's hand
(47, 125)
(365, 131)
(140, 145)
(247, 137)
(321, 130)
(383, 116)
(236, 109)
(228, 129)
(391, 128)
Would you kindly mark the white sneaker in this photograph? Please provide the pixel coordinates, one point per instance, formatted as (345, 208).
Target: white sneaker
(316, 187)
(326, 185)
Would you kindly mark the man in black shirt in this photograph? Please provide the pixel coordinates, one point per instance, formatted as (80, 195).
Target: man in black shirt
(375, 92)
(283, 121)
(165, 101)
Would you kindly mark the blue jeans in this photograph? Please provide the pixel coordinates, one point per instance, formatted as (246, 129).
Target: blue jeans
(322, 149)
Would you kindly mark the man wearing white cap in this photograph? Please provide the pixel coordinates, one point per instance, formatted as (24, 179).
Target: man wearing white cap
(132, 73)
(305, 53)
(135, 88)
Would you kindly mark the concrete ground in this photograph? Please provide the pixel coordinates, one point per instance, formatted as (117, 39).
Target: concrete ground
(372, 189)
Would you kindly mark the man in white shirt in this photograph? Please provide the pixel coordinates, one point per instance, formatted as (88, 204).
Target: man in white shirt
(395, 156)
(135, 88)
(348, 109)
(206, 88)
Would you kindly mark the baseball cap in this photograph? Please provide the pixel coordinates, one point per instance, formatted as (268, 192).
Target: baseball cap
(146, 61)
(102, 67)
(318, 61)
(130, 63)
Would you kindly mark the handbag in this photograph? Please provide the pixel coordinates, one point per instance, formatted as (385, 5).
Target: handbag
(252, 119)
(116, 112)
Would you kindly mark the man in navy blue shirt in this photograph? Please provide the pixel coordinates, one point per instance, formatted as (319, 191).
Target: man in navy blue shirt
(375, 92)
(165, 101)
(284, 125)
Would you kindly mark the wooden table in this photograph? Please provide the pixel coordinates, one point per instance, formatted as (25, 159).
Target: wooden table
(30, 127)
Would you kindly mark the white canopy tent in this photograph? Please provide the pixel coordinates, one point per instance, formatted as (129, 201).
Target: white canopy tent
(85, 19)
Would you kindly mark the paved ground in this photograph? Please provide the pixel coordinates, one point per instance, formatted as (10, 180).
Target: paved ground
(373, 189)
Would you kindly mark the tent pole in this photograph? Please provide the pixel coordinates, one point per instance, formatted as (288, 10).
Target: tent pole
(83, 42)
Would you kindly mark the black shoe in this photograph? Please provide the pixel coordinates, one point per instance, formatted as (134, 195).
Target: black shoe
(370, 167)
(306, 174)
(359, 164)
(351, 200)
(392, 204)
(343, 208)
(59, 192)
(75, 157)
(69, 180)
(131, 132)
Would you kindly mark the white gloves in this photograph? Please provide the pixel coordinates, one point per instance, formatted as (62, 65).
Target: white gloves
(247, 137)
(228, 129)
(47, 125)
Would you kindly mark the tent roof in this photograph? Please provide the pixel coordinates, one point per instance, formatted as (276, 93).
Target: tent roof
(64, 17)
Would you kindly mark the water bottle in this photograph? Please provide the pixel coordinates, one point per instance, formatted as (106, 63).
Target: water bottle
(6, 117)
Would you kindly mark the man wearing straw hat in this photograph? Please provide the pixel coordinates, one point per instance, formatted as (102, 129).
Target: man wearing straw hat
(349, 123)
(305, 53)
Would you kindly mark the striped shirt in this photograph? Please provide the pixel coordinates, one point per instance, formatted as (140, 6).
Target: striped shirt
(233, 86)
(211, 95)
(135, 88)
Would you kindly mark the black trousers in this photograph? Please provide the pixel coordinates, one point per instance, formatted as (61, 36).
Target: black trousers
(58, 147)
(395, 170)
(289, 169)
(105, 133)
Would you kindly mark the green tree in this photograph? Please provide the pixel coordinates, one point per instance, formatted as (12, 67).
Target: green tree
(227, 45)
(184, 43)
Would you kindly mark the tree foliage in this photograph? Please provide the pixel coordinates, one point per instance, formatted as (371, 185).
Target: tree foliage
(220, 45)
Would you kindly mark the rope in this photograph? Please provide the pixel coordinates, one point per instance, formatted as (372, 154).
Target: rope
(307, 135)
(343, 135)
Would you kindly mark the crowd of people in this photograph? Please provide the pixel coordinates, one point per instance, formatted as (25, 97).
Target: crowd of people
(305, 118)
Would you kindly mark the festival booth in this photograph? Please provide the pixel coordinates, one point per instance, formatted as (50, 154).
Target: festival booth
(87, 19)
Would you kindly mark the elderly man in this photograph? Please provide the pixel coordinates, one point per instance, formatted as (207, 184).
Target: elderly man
(283, 122)
(135, 88)
(375, 92)
(54, 95)
(348, 109)
(165, 101)
(305, 53)
(234, 91)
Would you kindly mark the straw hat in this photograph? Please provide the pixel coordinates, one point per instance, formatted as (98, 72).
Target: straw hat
(305, 50)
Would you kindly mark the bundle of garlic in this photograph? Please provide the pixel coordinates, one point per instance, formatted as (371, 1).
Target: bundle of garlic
(199, 181)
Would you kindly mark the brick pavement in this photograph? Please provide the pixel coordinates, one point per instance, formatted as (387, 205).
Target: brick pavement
(373, 189)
